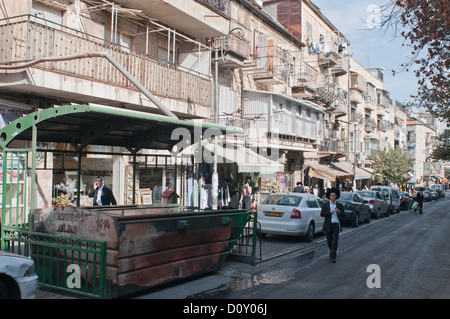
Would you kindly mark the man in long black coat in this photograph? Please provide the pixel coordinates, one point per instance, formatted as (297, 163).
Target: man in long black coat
(333, 213)
(419, 199)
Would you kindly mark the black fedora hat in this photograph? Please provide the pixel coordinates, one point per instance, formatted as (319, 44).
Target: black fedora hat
(333, 190)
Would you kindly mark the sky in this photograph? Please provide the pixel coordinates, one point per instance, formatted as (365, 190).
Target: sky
(370, 46)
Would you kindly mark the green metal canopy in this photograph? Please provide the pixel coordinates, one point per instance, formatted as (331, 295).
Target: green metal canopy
(81, 125)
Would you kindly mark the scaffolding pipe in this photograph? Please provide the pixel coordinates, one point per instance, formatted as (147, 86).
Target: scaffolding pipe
(111, 60)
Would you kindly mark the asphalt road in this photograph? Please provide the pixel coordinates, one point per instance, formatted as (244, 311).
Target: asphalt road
(411, 251)
(404, 256)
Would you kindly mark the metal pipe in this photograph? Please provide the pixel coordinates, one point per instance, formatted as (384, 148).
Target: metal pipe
(111, 60)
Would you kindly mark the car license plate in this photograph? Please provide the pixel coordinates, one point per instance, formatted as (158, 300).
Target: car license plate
(274, 214)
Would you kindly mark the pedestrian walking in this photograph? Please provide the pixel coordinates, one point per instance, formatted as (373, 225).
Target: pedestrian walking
(246, 199)
(299, 188)
(419, 199)
(333, 213)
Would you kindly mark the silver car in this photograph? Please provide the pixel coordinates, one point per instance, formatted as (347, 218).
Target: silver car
(18, 279)
(378, 205)
(295, 214)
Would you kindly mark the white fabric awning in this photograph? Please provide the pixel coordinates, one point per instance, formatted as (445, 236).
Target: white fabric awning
(324, 171)
(348, 168)
(248, 161)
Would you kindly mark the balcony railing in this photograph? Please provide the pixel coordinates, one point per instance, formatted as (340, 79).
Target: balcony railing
(235, 45)
(23, 39)
(357, 82)
(332, 146)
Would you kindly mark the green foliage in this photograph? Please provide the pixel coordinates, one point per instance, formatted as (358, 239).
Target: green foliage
(391, 165)
(442, 151)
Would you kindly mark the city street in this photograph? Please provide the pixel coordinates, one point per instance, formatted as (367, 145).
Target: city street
(411, 251)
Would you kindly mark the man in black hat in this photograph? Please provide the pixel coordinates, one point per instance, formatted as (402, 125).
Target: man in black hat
(333, 213)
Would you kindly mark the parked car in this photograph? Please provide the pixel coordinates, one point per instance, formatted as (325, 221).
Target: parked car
(425, 192)
(377, 204)
(434, 194)
(390, 195)
(295, 214)
(18, 279)
(355, 208)
(405, 200)
(439, 189)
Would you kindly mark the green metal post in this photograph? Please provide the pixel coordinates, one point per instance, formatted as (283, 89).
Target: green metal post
(102, 269)
(33, 176)
(4, 187)
(255, 230)
(79, 179)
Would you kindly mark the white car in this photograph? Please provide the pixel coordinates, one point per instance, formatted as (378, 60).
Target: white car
(18, 279)
(295, 214)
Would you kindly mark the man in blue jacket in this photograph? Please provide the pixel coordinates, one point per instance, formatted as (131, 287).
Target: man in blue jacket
(333, 213)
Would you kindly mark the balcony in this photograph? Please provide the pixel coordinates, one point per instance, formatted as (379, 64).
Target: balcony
(273, 65)
(93, 80)
(356, 97)
(327, 91)
(341, 67)
(370, 103)
(237, 48)
(304, 81)
(328, 61)
(358, 83)
(331, 147)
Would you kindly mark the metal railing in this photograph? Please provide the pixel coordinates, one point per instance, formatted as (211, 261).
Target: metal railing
(24, 38)
(247, 247)
(67, 264)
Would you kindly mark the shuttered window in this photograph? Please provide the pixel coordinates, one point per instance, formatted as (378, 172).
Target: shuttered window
(47, 16)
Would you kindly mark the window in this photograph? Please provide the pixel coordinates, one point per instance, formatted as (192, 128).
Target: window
(47, 16)
(311, 203)
(394, 194)
(319, 202)
(286, 200)
(123, 42)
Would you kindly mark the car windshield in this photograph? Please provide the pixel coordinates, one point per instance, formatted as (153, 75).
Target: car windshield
(367, 194)
(286, 200)
(347, 196)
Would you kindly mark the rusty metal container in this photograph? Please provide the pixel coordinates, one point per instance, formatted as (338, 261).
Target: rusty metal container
(149, 245)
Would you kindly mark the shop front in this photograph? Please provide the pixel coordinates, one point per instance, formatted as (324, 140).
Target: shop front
(362, 177)
(236, 165)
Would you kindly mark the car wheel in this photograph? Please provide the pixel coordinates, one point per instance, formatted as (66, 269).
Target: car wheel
(309, 233)
(5, 292)
(378, 213)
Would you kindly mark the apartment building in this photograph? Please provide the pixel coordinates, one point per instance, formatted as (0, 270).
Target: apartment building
(422, 133)
(283, 74)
